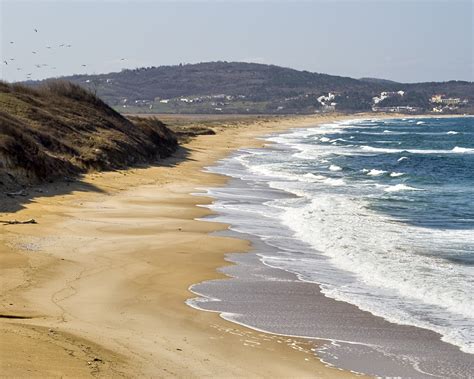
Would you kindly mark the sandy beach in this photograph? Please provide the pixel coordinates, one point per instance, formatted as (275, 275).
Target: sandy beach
(98, 286)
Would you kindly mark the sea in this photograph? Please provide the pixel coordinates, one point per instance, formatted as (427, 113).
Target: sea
(378, 214)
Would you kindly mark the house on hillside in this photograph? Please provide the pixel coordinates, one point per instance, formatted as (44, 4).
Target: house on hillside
(448, 104)
(398, 109)
(385, 95)
(323, 100)
(327, 102)
(441, 99)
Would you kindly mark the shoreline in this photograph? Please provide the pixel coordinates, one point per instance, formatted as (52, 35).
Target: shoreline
(100, 283)
(97, 286)
(229, 299)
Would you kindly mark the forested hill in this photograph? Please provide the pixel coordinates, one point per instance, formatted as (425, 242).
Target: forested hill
(236, 87)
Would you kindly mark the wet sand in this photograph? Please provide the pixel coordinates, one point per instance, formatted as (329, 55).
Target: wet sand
(273, 300)
(98, 286)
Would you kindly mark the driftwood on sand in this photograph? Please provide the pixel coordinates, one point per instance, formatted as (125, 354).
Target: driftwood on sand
(18, 193)
(16, 222)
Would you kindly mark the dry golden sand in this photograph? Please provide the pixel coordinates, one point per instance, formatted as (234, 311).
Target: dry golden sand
(101, 280)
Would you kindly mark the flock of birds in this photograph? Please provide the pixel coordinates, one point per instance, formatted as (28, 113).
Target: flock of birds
(10, 62)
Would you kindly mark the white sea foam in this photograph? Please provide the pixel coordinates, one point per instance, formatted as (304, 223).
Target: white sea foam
(334, 167)
(458, 149)
(419, 123)
(314, 177)
(396, 174)
(400, 187)
(324, 139)
(375, 172)
(402, 159)
(334, 182)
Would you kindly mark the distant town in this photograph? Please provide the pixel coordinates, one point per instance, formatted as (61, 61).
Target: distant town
(219, 103)
(251, 88)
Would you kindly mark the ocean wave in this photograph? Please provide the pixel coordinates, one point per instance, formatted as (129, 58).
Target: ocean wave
(383, 265)
(455, 150)
(400, 187)
(382, 255)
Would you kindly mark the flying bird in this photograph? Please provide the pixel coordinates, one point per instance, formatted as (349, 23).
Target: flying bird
(62, 45)
(48, 47)
(12, 59)
(83, 65)
(12, 42)
(123, 59)
(34, 52)
(18, 68)
(5, 62)
(36, 30)
(68, 45)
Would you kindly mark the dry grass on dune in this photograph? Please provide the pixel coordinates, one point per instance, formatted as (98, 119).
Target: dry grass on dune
(61, 129)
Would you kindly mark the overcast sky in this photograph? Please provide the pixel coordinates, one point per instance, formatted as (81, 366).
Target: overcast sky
(407, 41)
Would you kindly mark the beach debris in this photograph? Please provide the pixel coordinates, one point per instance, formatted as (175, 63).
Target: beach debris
(16, 222)
(17, 193)
(95, 360)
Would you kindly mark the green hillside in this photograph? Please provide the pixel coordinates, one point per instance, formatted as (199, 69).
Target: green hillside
(236, 87)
